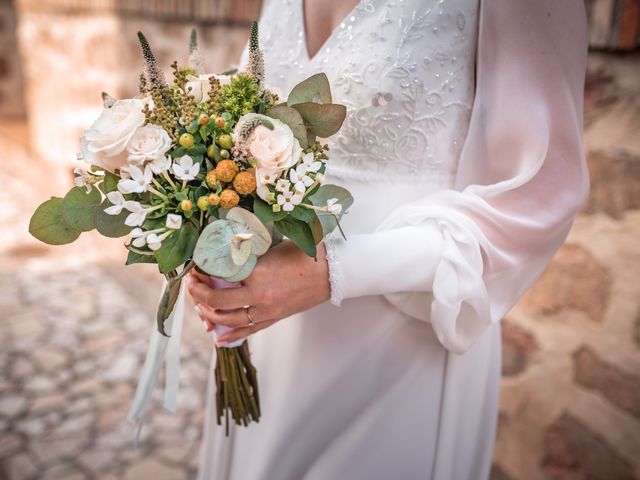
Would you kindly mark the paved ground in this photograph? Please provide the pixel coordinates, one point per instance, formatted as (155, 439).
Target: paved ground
(74, 331)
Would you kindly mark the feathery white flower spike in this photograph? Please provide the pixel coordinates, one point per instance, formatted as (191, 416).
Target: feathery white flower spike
(185, 169)
(117, 203)
(174, 221)
(139, 181)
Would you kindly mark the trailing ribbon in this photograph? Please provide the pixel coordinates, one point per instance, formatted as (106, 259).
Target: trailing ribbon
(161, 349)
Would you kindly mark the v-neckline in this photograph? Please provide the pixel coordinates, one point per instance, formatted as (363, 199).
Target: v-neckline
(329, 39)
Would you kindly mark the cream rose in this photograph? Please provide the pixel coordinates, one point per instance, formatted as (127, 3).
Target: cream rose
(275, 149)
(104, 143)
(199, 87)
(148, 143)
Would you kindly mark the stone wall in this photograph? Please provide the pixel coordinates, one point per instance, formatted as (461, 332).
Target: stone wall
(570, 395)
(11, 103)
(70, 56)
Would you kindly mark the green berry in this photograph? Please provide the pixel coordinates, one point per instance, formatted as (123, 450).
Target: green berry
(203, 202)
(225, 141)
(212, 151)
(221, 122)
(203, 119)
(186, 140)
(186, 205)
(224, 153)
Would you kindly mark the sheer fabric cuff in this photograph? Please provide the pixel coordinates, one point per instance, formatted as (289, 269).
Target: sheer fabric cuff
(398, 260)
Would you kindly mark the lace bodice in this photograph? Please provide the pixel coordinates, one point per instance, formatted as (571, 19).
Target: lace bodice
(403, 68)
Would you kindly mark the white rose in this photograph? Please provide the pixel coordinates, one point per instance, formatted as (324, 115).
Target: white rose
(104, 144)
(200, 85)
(275, 149)
(148, 143)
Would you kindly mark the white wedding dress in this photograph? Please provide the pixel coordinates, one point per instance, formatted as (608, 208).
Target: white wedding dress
(463, 150)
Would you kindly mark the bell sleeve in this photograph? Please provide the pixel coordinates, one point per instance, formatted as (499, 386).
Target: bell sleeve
(461, 258)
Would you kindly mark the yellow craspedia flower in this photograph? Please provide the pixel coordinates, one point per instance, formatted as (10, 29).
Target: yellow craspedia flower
(245, 183)
(229, 198)
(226, 170)
(212, 179)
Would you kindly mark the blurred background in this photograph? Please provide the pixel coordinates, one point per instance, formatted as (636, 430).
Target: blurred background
(75, 321)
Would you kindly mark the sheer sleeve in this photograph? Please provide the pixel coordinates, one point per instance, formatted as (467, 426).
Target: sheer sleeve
(466, 255)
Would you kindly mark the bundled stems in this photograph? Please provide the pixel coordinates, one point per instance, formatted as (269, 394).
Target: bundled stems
(236, 386)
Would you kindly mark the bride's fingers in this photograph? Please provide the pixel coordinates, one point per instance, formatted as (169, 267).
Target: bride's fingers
(231, 318)
(227, 298)
(242, 332)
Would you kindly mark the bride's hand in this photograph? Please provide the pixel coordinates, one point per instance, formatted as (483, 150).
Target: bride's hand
(285, 281)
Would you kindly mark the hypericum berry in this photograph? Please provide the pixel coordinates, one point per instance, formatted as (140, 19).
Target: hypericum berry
(224, 153)
(186, 205)
(214, 199)
(211, 151)
(221, 122)
(203, 202)
(229, 199)
(212, 179)
(226, 170)
(225, 141)
(244, 183)
(203, 119)
(186, 140)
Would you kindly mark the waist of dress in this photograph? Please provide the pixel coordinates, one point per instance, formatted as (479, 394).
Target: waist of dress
(431, 177)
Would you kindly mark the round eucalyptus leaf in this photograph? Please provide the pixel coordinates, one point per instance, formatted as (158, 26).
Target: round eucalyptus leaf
(48, 226)
(79, 208)
(212, 253)
(240, 248)
(245, 270)
(245, 221)
(111, 226)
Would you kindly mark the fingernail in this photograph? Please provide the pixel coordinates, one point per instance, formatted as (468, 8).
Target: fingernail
(199, 311)
(208, 327)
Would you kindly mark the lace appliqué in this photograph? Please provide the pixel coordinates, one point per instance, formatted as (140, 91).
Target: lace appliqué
(333, 262)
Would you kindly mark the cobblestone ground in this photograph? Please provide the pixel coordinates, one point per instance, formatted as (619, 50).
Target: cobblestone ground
(75, 325)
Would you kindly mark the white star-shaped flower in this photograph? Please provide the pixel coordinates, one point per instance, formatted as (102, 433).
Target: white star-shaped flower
(288, 200)
(185, 169)
(137, 216)
(139, 181)
(117, 203)
(174, 221)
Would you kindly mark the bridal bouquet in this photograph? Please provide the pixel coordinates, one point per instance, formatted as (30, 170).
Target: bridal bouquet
(207, 172)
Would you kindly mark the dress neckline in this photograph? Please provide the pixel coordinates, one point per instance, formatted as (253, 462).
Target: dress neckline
(327, 42)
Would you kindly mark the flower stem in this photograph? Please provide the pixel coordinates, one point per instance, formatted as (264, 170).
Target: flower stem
(167, 177)
(155, 192)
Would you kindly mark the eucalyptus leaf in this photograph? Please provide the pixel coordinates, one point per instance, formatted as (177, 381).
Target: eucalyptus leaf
(322, 120)
(48, 226)
(245, 271)
(247, 222)
(299, 233)
(290, 117)
(167, 304)
(212, 253)
(111, 226)
(314, 89)
(319, 199)
(79, 208)
(178, 248)
(240, 248)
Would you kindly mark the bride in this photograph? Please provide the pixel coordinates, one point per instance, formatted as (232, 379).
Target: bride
(462, 148)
